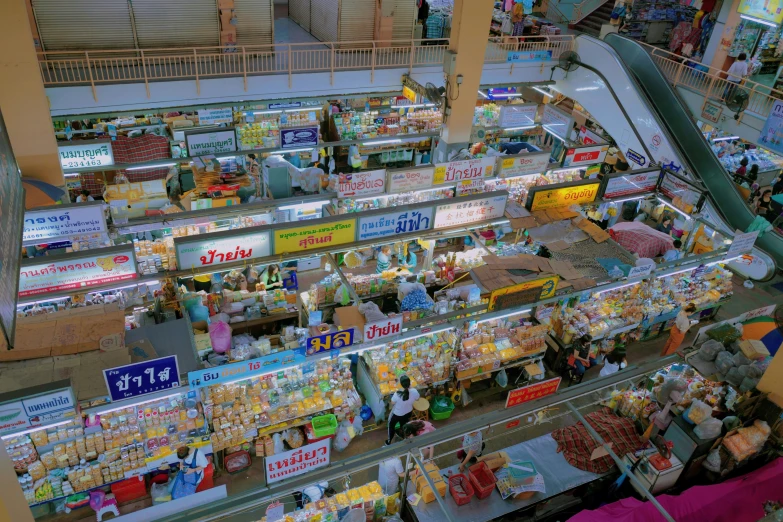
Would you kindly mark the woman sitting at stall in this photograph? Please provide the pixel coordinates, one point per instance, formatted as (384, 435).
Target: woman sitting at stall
(581, 359)
(416, 428)
(665, 225)
(272, 277)
(383, 262)
(409, 260)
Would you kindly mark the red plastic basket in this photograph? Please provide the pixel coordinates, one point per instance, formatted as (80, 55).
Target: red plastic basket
(461, 481)
(482, 480)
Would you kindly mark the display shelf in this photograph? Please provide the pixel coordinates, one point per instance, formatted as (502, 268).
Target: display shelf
(271, 318)
(274, 429)
(76, 493)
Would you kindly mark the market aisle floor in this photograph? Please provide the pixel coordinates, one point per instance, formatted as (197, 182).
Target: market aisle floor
(287, 31)
(484, 400)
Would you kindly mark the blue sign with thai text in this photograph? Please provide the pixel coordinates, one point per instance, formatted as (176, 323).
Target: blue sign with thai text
(330, 341)
(247, 369)
(302, 137)
(134, 380)
(528, 56)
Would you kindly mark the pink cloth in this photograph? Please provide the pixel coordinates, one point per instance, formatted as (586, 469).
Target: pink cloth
(737, 500)
(640, 239)
(428, 428)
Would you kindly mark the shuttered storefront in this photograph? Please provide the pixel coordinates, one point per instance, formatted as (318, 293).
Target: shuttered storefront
(405, 13)
(255, 22)
(323, 13)
(83, 24)
(357, 20)
(299, 12)
(176, 23)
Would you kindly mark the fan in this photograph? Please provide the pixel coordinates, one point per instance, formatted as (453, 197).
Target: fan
(738, 101)
(568, 61)
(434, 94)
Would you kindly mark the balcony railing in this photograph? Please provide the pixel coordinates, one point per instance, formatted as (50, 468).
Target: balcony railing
(94, 68)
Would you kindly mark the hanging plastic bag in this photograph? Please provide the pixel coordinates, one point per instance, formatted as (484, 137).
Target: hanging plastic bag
(501, 378)
(160, 493)
(277, 440)
(709, 429)
(342, 438)
(357, 425)
(466, 399)
(220, 335)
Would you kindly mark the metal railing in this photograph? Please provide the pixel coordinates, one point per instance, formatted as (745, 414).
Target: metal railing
(712, 82)
(94, 68)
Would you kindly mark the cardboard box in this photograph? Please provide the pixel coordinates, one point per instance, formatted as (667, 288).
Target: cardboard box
(349, 316)
(225, 4)
(228, 36)
(225, 202)
(753, 349)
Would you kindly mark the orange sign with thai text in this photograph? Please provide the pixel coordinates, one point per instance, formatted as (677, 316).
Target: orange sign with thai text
(532, 392)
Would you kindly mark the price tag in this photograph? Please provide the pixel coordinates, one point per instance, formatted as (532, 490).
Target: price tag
(440, 175)
(639, 271)
(508, 163)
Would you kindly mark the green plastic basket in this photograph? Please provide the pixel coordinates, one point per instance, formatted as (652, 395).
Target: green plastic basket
(441, 408)
(324, 425)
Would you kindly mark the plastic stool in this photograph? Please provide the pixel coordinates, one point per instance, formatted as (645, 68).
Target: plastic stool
(421, 409)
(290, 282)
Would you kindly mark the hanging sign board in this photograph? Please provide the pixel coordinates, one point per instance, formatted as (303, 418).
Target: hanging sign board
(408, 93)
(530, 163)
(330, 341)
(395, 223)
(142, 378)
(86, 154)
(585, 156)
(588, 137)
(564, 196)
(458, 213)
(673, 187)
(556, 121)
(532, 392)
(528, 56)
(711, 112)
(37, 410)
(297, 462)
(80, 272)
(388, 327)
(298, 138)
(361, 183)
(205, 252)
(456, 171)
(410, 180)
(742, 243)
(523, 293)
(773, 127)
(523, 115)
(631, 184)
(318, 235)
(212, 141)
(63, 221)
(215, 116)
(246, 369)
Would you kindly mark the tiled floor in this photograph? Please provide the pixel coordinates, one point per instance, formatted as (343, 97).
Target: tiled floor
(287, 31)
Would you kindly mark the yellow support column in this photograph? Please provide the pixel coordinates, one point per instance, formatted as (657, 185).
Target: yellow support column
(772, 380)
(469, 36)
(23, 100)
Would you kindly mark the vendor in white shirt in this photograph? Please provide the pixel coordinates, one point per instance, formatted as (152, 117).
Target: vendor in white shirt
(675, 253)
(681, 326)
(735, 74)
(613, 362)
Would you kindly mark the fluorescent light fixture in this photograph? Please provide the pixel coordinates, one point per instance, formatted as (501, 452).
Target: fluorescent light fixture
(723, 261)
(726, 138)
(626, 199)
(519, 128)
(758, 20)
(542, 91)
(25, 432)
(413, 106)
(580, 89)
(381, 142)
(28, 303)
(617, 288)
(552, 133)
(563, 170)
(518, 312)
(686, 216)
(286, 151)
(484, 95)
(313, 204)
(267, 112)
(76, 175)
(152, 167)
(304, 109)
(508, 95)
(691, 269)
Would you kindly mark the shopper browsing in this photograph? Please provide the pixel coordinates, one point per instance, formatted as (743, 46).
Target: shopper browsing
(416, 428)
(681, 326)
(741, 171)
(84, 197)
(736, 73)
(472, 446)
(777, 188)
(402, 406)
(763, 203)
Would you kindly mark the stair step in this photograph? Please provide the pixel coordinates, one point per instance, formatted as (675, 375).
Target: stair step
(592, 25)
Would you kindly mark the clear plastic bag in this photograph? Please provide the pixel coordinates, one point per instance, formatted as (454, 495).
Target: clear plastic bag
(341, 439)
(357, 425)
(740, 359)
(734, 377)
(724, 362)
(698, 412)
(220, 335)
(710, 349)
(160, 493)
(502, 379)
(709, 429)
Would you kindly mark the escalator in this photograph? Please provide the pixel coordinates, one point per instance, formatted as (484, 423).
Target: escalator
(686, 141)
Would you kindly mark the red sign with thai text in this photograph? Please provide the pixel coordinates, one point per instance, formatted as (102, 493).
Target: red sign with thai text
(532, 392)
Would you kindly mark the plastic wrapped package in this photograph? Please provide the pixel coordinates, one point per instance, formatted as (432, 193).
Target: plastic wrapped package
(748, 384)
(698, 412)
(371, 312)
(734, 377)
(725, 333)
(220, 335)
(724, 362)
(710, 350)
(750, 371)
(740, 359)
(672, 390)
(709, 429)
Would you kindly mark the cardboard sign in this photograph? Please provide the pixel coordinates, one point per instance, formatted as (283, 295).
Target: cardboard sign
(457, 171)
(194, 253)
(361, 183)
(142, 378)
(46, 226)
(631, 184)
(305, 238)
(298, 461)
(410, 180)
(523, 293)
(532, 392)
(564, 196)
(395, 223)
(330, 341)
(86, 154)
(457, 213)
(385, 328)
(585, 156)
(711, 112)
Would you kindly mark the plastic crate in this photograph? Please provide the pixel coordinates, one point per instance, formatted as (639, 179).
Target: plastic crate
(482, 480)
(207, 482)
(439, 412)
(130, 489)
(324, 425)
(522, 473)
(461, 481)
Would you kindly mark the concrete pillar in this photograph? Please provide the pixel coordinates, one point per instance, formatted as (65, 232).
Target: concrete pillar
(23, 100)
(469, 42)
(13, 506)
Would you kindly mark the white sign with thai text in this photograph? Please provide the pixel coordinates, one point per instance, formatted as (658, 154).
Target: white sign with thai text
(534, 163)
(457, 171)
(213, 252)
(460, 213)
(631, 184)
(43, 226)
(380, 329)
(518, 115)
(297, 462)
(87, 154)
(411, 180)
(201, 143)
(36, 411)
(361, 183)
(215, 116)
(742, 243)
(556, 121)
(395, 223)
(585, 156)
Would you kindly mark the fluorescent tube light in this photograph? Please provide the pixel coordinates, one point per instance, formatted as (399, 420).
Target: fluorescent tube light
(313, 204)
(519, 128)
(552, 133)
(152, 166)
(758, 20)
(726, 138)
(25, 432)
(484, 95)
(381, 142)
(518, 312)
(286, 151)
(542, 91)
(686, 216)
(267, 112)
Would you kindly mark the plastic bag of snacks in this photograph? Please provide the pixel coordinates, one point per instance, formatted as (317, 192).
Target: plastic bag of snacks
(698, 412)
(709, 429)
(710, 349)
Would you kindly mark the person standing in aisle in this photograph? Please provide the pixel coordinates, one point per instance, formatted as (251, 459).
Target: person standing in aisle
(518, 19)
(383, 262)
(681, 326)
(390, 471)
(424, 13)
(402, 406)
(736, 73)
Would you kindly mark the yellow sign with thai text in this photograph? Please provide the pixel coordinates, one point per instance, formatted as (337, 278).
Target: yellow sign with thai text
(523, 293)
(317, 235)
(565, 196)
(409, 94)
